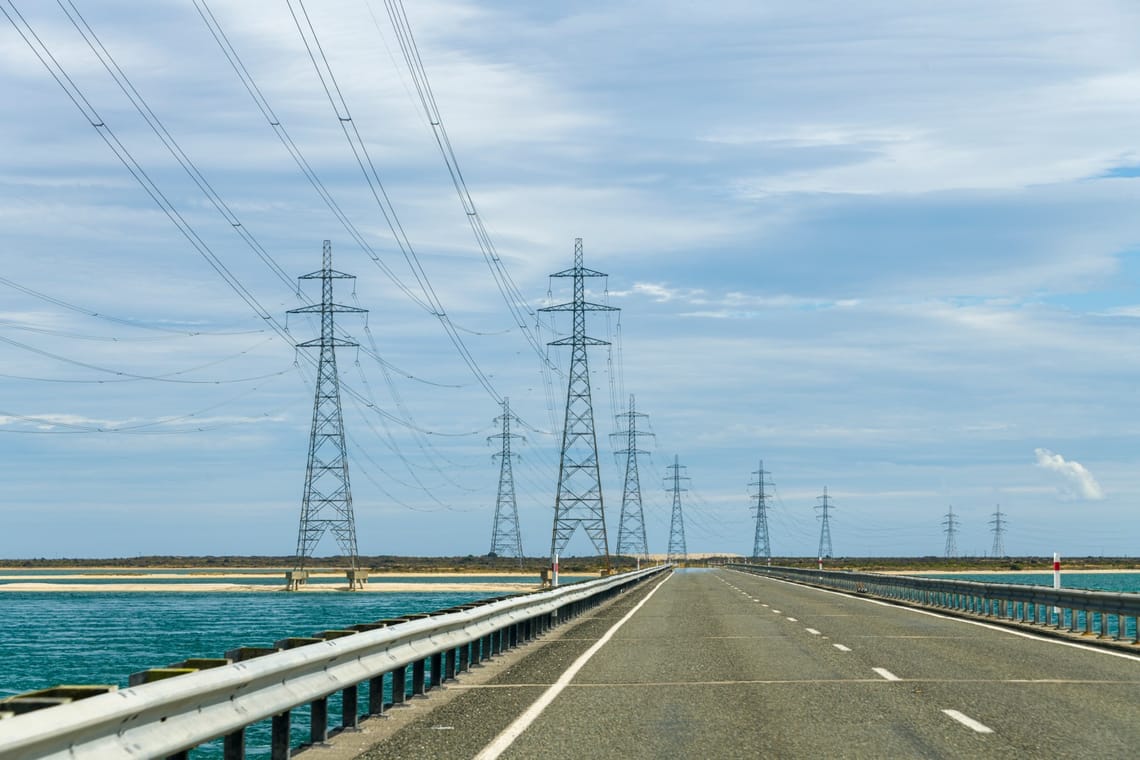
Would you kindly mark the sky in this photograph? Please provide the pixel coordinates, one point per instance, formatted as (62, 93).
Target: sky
(887, 248)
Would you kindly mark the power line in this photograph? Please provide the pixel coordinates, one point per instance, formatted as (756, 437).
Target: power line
(376, 187)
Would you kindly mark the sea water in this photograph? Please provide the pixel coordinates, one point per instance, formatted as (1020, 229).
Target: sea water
(1112, 582)
(101, 637)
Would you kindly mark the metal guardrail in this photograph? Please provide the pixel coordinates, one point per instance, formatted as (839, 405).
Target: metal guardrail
(1100, 614)
(171, 716)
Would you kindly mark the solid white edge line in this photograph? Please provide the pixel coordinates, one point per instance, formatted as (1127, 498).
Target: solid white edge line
(505, 739)
(979, 623)
(969, 722)
(886, 674)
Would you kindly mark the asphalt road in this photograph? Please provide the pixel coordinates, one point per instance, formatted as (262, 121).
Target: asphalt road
(721, 664)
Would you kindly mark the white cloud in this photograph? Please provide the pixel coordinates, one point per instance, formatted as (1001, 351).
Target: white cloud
(1081, 482)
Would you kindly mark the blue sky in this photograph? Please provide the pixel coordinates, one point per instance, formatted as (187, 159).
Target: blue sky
(886, 247)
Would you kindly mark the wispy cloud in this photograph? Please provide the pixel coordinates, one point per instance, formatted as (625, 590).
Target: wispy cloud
(1081, 483)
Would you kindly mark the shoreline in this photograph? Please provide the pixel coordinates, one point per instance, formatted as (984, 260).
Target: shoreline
(1042, 571)
(148, 574)
(379, 588)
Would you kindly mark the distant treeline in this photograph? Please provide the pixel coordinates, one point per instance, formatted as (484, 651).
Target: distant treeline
(486, 563)
(962, 564)
(379, 564)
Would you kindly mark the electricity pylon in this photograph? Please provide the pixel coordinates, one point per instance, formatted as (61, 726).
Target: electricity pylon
(760, 544)
(579, 497)
(631, 528)
(998, 549)
(825, 525)
(327, 502)
(950, 528)
(506, 541)
(677, 549)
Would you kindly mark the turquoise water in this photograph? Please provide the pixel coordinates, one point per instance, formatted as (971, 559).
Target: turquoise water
(1114, 582)
(61, 637)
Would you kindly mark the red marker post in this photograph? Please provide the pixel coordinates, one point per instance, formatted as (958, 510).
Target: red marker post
(1056, 577)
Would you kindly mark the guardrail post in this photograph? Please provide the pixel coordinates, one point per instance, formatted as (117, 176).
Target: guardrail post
(450, 670)
(319, 720)
(437, 674)
(233, 746)
(376, 695)
(279, 748)
(465, 658)
(183, 755)
(400, 685)
(349, 710)
(418, 678)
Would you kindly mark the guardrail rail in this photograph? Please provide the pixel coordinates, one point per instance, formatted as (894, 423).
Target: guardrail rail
(166, 712)
(1099, 615)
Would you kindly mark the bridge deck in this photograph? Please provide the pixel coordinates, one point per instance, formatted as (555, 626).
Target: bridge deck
(721, 664)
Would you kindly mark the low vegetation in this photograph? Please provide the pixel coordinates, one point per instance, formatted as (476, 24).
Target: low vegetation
(476, 564)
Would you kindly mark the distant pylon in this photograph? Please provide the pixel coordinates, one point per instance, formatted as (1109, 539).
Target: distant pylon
(825, 525)
(998, 549)
(677, 549)
(950, 528)
(579, 497)
(761, 547)
(631, 528)
(327, 502)
(506, 540)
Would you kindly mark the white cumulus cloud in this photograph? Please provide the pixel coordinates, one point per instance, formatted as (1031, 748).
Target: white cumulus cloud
(1081, 483)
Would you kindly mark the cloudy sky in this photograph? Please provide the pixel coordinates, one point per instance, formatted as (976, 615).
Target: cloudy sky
(886, 247)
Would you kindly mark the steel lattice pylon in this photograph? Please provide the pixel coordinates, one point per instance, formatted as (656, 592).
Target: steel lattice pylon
(950, 528)
(761, 547)
(998, 549)
(579, 497)
(825, 526)
(327, 502)
(506, 540)
(631, 528)
(677, 549)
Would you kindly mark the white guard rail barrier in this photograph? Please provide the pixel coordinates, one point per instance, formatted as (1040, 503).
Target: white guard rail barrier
(169, 717)
(1101, 616)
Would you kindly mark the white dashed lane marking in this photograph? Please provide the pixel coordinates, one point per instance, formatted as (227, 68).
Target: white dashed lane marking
(969, 722)
(812, 631)
(886, 674)
(841, 648)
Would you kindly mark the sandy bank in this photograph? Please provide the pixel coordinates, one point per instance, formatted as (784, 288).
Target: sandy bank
(237, 574)
(503, 588)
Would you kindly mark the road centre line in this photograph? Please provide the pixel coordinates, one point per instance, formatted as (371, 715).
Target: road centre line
(979, 623)
(505, 739)
(969, 722)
